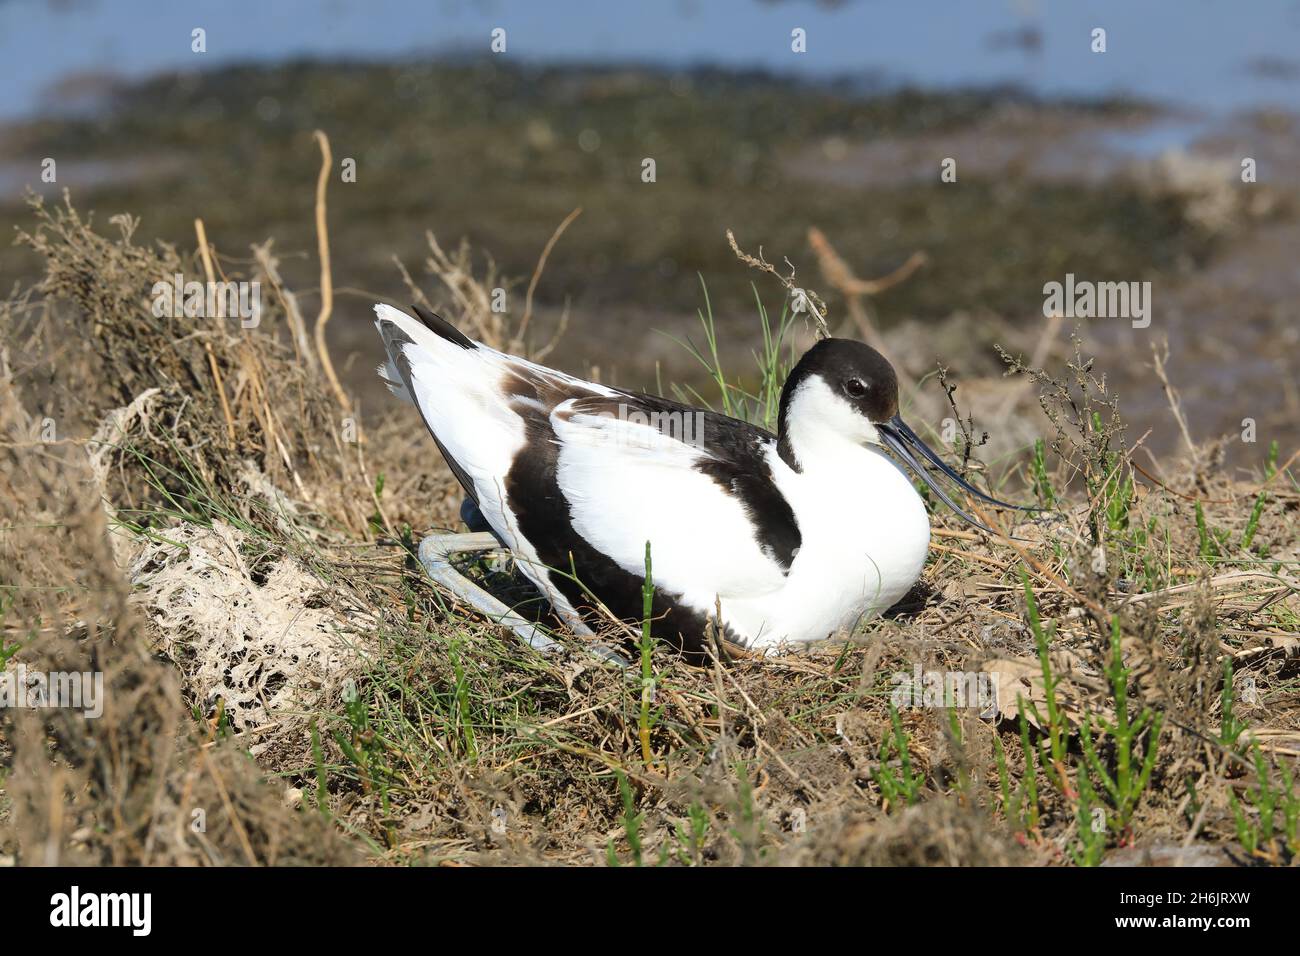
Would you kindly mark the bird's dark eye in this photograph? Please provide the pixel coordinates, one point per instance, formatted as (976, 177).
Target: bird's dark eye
(855, 388)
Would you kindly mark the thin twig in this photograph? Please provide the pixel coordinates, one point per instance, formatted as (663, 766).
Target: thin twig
(801, 298)
(297, 327)
(242, 834)
(841, 277)
(326, 275)
(202, 235)
(1037, 360)
(537, 275)
(1176, 407)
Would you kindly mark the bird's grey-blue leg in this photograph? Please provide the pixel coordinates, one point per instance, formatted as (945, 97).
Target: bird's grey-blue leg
(435, 554)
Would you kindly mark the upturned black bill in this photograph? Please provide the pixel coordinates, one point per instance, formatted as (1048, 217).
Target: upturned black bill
(902, 441)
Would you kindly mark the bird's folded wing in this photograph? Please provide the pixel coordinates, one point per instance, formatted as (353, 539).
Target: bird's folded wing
(630, 478)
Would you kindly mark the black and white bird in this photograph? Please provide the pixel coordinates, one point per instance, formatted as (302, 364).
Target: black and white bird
(794, 537)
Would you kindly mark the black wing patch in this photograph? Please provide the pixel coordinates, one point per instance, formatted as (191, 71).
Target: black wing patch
(775, 527)
(578, 570)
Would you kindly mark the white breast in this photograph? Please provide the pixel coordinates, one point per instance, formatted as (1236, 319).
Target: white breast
(865, 534)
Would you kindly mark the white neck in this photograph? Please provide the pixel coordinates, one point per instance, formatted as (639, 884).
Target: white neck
(822, 430)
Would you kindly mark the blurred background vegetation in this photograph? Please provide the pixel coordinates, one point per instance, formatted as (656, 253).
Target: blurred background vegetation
(1102, 180)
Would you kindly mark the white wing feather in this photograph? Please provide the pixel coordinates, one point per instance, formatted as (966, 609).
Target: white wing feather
(628, 483)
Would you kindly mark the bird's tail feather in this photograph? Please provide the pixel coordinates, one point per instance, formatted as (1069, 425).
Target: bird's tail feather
(400, 331)
(393, 379)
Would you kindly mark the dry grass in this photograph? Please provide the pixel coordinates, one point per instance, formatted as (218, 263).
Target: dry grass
(177, 439)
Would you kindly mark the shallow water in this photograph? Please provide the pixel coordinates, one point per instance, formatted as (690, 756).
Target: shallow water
(1207, 55)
